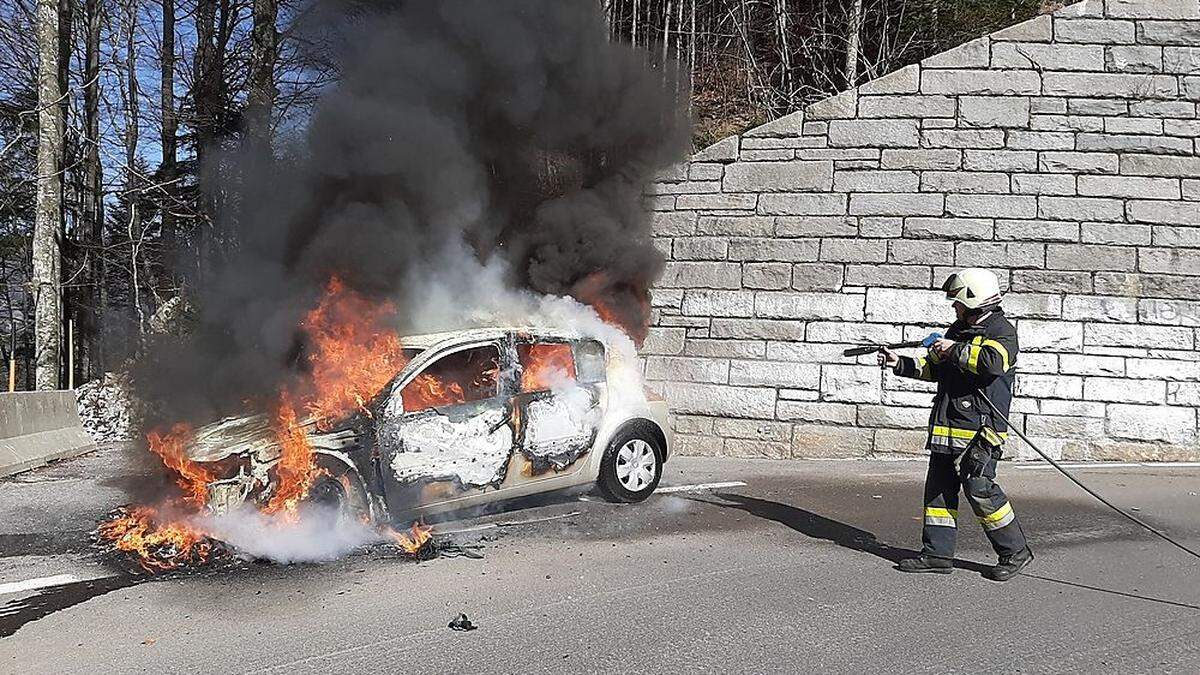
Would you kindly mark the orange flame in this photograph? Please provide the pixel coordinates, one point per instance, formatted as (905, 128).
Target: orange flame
(296, 470)
(354, 353)
(544, 365)
(171, 447)
(157, 545)
(414, 540)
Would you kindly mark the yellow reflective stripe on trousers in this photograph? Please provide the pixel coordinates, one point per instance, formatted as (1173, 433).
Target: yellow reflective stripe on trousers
(998, 519)
(1001, 350)
(991, 436)
(966, 434)
(941, 517)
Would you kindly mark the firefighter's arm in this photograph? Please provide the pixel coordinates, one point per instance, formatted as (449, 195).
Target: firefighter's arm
(917, 369)
(984, 355)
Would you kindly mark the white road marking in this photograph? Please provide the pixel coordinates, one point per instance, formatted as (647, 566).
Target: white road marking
(1109, 465)
(40, 582)
(698, 486)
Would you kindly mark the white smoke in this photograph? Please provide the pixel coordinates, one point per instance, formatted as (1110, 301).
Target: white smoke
(320, 534)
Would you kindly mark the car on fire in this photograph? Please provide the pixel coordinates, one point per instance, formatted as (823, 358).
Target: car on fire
(475, 416)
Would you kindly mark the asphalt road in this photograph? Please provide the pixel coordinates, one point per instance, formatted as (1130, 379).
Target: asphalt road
(791, 572)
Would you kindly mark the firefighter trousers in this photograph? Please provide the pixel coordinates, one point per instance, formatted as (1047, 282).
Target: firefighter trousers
(974, 472)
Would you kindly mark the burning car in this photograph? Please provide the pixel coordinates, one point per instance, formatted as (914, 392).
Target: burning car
(473, 416)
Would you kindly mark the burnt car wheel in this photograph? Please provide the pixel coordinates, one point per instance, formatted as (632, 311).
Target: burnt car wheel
(341, 498)
(632, 466)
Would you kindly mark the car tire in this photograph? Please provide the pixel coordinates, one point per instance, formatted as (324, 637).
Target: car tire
(342, 499)
(632, 465)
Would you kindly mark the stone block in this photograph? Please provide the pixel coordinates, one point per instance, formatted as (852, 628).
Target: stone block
(1052, 56)
(1090, 257)
(892, 133)
(672, 223)
(753, 430)
(1152, 423)
(772, 276)
(816, 441)
(877, 227)
(999, 254)
(778, 177)
(720, 400)
(991, 206)
(719, 202)
(851, 384)
(1039, 29)
(1183, 236)
(970, 182)
(1041, 140)
(1067, 387)
(1046, 281)
(767, 250)
(963, 138)
(876, 181)
(896, 204)
(735, 226)
(705, 171)
(1085, 364)
(757, 329)
(1067, 123)
(718, 303)
(922, 159)
(1181, 33)
(1164, 213)
(1134, 125)
(1121, 85)
(665, 341)
(921, 252)
(1099, 308)
(816, 277)
(948, 228)
(1130, 187)
(1094, 31)
(904, 106)
(809, 306)
(723, 151)
(892, 417)
(1037, 230)
(1079, 162)
(853, 250)
(683, 369)
(701, 275)
(1033, 306)
(725, 349)
(1129, 59)
(994, 111)
(892, 276)
(1044, 184)
(803, 204)
(1158, 9)
(699, 445)
(1182, 60)
(775, 374)
(841, 106)
(812, 412)
(1000, 160)
(1131, 143)
(1052, 336)
(1119, 335)
(1170, 312)
(700, 248)
(904, 306)
(1171, 109)
(974, 54)
(981, 82)
(1150, 165)
(1115, 234)
(1080, 208)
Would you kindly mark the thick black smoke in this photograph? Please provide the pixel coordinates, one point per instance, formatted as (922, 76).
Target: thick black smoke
(503, 128)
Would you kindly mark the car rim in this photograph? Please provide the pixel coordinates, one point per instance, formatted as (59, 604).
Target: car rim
(636, 464)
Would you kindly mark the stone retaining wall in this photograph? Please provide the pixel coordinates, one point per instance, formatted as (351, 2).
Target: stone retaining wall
(1063, 152)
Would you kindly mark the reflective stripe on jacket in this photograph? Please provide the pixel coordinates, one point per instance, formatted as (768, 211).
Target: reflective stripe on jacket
(983, 358)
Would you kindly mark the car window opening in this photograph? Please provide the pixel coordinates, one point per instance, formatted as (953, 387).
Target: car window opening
(462, 377)
(546, 365)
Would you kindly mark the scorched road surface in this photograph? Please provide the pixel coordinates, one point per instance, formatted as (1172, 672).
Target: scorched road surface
(791, 572)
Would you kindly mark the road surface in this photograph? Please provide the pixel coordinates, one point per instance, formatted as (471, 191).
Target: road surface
(790, 571)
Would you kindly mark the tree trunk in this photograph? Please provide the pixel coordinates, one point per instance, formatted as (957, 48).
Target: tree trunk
(205, 104)
(264, 53)
(169, 142)
(853, 37)
(93, 206)
(132, 127)
(48, 226)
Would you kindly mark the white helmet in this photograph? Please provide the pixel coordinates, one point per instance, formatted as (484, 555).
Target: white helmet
(973, 288)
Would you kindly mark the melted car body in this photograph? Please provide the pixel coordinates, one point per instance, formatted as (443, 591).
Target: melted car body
(475, 416)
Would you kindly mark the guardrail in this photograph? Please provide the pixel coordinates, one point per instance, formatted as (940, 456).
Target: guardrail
(37, 427)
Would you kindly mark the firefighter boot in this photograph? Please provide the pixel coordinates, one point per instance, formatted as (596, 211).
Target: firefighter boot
(1010, 565)
(926, 564)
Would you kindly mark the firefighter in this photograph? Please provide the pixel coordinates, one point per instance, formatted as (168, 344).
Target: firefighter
(978, 354)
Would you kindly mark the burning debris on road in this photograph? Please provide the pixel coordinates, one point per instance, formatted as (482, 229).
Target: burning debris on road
(458, 177)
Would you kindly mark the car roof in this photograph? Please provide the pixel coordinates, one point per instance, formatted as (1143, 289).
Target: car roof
(426, 340)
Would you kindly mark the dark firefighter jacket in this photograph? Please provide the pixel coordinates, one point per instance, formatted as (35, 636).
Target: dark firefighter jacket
(984, 358)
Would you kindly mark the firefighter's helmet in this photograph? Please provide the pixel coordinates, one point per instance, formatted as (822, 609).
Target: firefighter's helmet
(973, 288)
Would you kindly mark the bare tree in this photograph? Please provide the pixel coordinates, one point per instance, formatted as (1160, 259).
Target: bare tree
(853, 38)
(47, 235)
(168, 138)
(264, 53)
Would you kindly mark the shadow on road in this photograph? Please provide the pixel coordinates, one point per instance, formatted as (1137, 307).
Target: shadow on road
(855, 539)
(17, 613)
(819, 527)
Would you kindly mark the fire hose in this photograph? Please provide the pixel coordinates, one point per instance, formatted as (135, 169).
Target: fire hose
(934, 337)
